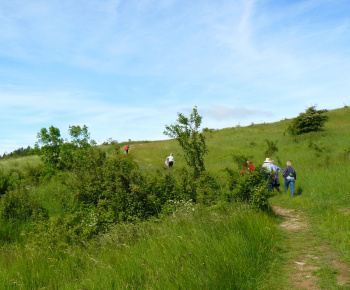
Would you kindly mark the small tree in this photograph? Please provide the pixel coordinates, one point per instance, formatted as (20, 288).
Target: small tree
(52, 141)
(311, 121)
(186, 132)
(57, 153)
(80, 136)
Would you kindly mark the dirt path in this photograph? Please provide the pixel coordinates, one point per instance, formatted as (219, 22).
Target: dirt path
(311, 264)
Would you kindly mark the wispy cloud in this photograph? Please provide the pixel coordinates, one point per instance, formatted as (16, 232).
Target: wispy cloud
(125, 68)
(226, 113)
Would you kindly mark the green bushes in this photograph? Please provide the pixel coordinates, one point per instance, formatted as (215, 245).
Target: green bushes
(17, 205)
(58, 153)
(110, 190)
(250, 188)
(9, 180)
(311, 121)
(101, 191)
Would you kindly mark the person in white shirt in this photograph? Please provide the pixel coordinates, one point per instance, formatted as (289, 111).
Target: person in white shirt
(171, 160)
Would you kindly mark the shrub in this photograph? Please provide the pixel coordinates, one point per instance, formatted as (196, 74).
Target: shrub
(311, 121)
(250, 188)
(9, 180)
(241, 159)
(271, 147)
(18, 205)
(207, 189)
(34, 174)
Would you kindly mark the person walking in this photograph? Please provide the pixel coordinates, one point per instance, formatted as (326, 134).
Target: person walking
(267, 170)
(275, 179)
(290, 177)
(126, 148)
(248, 168)
(170, 158)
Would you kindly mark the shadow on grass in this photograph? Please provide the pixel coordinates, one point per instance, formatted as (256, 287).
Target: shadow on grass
(298, 191)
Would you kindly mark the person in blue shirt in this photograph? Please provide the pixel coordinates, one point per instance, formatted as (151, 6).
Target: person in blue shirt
(290, 177)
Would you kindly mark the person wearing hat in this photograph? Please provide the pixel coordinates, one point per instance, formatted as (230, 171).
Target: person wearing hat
(267, 165)
(267, 168)
(249, 167)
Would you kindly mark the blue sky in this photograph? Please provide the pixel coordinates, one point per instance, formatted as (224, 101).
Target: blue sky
(125, 68)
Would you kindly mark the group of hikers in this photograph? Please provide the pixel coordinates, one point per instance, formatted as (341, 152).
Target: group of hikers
(269, 167)
(272, 171)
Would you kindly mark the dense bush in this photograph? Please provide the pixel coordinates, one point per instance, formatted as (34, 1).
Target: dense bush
(9, 180)
(250, 188)
(18, 205)
(104, 190)
(311, 121)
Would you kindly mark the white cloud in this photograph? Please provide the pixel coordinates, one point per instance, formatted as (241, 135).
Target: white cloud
(227, 113)
(125, 68)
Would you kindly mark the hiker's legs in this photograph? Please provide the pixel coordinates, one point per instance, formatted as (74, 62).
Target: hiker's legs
(286, 183)
(292, 187)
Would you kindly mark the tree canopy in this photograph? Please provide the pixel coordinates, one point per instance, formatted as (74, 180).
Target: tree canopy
(311, 121)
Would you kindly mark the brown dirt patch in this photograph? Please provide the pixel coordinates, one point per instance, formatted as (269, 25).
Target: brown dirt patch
(307, 253)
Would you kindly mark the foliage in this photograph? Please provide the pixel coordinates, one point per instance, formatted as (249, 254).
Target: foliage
(311, 121)
(192, 141)
(271, 148)
(51, 141)
(241, 159)
(9, 180)
(20, 152)
(57, 153)
(18, 205)
(80, 136)
(207, 189)
(249, 187)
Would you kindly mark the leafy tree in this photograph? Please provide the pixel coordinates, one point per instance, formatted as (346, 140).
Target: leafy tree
(52, 142)
(58, 153)
(192, 141)
(311, 121)
(80, 136)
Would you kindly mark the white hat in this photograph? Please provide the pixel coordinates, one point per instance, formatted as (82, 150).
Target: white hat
(268, 160)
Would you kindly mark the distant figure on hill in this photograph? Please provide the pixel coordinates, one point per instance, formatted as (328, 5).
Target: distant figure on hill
(126, 148)
(290, 177)
(275, 179)
(248, 168)
(267, 168)
(170, 158)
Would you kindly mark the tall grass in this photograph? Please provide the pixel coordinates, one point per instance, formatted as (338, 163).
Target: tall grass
(230, 247)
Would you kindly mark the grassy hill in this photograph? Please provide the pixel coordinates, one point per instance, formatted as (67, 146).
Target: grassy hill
(224, 245)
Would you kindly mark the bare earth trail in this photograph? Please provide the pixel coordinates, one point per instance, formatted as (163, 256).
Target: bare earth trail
(310, 264)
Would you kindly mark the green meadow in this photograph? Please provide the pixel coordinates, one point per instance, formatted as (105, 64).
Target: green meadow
(118, 221)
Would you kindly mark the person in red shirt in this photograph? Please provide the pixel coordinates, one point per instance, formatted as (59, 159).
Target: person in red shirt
(249, 167)
(126, 148)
